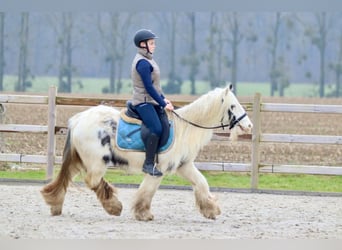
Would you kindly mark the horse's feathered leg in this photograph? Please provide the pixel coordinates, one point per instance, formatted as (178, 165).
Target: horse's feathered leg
(94, 147)
(106, 193)
(142, 203)
(205, 201)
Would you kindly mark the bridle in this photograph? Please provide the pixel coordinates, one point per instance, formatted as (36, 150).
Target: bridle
(232, 121)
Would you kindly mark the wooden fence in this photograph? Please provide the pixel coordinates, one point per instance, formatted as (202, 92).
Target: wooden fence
(257, 137)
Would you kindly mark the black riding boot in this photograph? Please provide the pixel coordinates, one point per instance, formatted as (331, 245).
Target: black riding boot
(151, 146)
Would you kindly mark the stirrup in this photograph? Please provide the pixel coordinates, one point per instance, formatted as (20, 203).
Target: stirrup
(151, 170)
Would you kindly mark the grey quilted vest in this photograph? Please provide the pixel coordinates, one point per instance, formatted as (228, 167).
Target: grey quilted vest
(140, 94)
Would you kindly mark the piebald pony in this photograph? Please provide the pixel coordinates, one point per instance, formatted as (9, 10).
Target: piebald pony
(91, 147)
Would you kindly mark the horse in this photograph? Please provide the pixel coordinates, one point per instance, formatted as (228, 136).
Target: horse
(91, 147)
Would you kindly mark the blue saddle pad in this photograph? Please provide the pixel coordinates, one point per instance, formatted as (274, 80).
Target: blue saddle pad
(128, 137)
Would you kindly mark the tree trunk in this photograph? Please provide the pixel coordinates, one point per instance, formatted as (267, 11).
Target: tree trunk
(114, 31)
(172, 74)
(61, 83)
(112, 76)
(111, 42)
(273, 73)
(211, 52)
(322, 70)
(69, 51)
(193, 64)
(234, 39)
(322, 47)
(235, 45)
(338, 84)
(2, 48)
(23, 70)
(65, 64)
(339, 71)
(220, 61)
(281, 90)
(123, 45)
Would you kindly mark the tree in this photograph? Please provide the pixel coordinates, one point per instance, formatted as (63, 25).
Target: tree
(321, 43)
(2, 48)
(124, 43)
(214, 55)
(63, 27)
(23, 70)
(317, 33)
(22, 53)
(235, 41)
(192, 59)
(234, 38)
(110, 44)
(114, 40)
(65, 63)
(273, 41)
(278, 74)
(336, 67)
(174, 82)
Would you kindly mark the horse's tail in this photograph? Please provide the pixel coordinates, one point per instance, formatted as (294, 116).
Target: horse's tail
(54, 192)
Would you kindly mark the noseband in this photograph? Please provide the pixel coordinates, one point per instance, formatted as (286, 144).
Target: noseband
(233, 121)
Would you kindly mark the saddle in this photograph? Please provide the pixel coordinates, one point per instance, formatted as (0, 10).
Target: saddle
(131, 130)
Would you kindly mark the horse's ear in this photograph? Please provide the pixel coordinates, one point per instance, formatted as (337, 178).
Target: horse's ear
(231, 87)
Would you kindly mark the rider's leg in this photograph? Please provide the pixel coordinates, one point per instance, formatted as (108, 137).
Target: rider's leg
(151, 120)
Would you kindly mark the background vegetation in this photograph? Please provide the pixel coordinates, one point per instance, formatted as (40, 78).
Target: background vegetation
(89, 86)
(195, 49)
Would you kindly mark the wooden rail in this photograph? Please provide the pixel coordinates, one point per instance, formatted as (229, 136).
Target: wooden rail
(257, 137)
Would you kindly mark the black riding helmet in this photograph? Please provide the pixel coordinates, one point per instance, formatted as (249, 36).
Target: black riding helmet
(142, 36)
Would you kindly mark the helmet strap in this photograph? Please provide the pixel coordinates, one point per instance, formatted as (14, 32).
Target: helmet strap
(146, 47)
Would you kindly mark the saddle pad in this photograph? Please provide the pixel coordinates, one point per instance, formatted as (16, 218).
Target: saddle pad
(128, 137)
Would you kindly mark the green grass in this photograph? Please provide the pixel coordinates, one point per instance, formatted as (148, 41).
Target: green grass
(80, 85)
(294, 90)
(23, 175)
(95, 85)
(314, 183)
(301, 182)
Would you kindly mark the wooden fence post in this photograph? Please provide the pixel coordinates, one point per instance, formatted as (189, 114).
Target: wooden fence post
(256, 141)
(2, 117)
(51, 151)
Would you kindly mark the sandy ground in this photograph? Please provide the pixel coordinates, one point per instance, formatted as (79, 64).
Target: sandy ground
(24, 215)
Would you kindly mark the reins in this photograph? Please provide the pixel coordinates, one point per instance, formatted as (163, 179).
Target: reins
(231, 125)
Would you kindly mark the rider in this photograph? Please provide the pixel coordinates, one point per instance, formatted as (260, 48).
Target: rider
(148, 98)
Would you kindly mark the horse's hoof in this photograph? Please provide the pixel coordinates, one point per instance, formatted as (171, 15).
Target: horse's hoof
(144, 217)
(116, 211)
(113, 207)
(56, 210)
(211, 213)
(210, 216)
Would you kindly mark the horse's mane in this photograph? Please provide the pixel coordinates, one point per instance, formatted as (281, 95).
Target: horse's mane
(207, 106)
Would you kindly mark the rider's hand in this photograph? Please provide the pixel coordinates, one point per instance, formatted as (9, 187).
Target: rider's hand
(169, 105)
